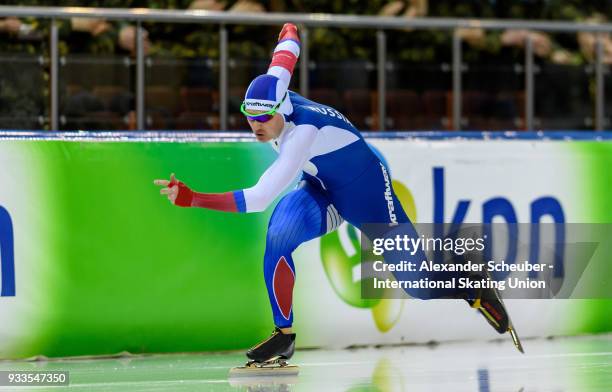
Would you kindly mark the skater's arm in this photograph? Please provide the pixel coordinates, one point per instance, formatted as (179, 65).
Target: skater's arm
(181, 195)
(286, 53)
(293, 155)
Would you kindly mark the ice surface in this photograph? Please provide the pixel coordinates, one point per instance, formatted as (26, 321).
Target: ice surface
(563, 364)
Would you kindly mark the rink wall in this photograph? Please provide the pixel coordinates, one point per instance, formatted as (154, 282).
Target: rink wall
(95, 261)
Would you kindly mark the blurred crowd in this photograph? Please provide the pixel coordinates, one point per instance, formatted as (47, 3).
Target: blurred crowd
(101, 36)
(347, 48)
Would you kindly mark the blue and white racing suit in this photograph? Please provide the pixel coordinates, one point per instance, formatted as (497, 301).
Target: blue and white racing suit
(342, 179)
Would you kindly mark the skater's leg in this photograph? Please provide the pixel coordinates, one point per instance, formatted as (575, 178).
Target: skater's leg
(300, 216)
(371, 199)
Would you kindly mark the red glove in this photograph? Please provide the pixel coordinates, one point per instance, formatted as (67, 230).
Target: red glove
(214, 201)
(184, 198)
(289, 31)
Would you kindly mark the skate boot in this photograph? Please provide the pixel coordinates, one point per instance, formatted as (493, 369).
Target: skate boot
(488, 302)
(277, 346)
(491, 307)
(270, 357)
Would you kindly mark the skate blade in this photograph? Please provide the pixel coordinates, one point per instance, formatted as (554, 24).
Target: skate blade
(516, 340)
(510, 330)
(273, 367)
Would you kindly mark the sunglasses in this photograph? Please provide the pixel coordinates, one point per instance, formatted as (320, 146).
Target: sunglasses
(262, 117)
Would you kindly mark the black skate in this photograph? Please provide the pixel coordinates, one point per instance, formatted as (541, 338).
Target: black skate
(277, 345)
(270, 356)
(489, 303)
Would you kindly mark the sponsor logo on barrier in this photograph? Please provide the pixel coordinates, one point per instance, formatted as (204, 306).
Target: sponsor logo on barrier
(7, 260)
(502, 207)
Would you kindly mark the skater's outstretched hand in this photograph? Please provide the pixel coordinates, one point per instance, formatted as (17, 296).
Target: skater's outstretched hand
(178, 193)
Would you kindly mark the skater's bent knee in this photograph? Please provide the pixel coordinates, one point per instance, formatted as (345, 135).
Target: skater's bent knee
(279, 236)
